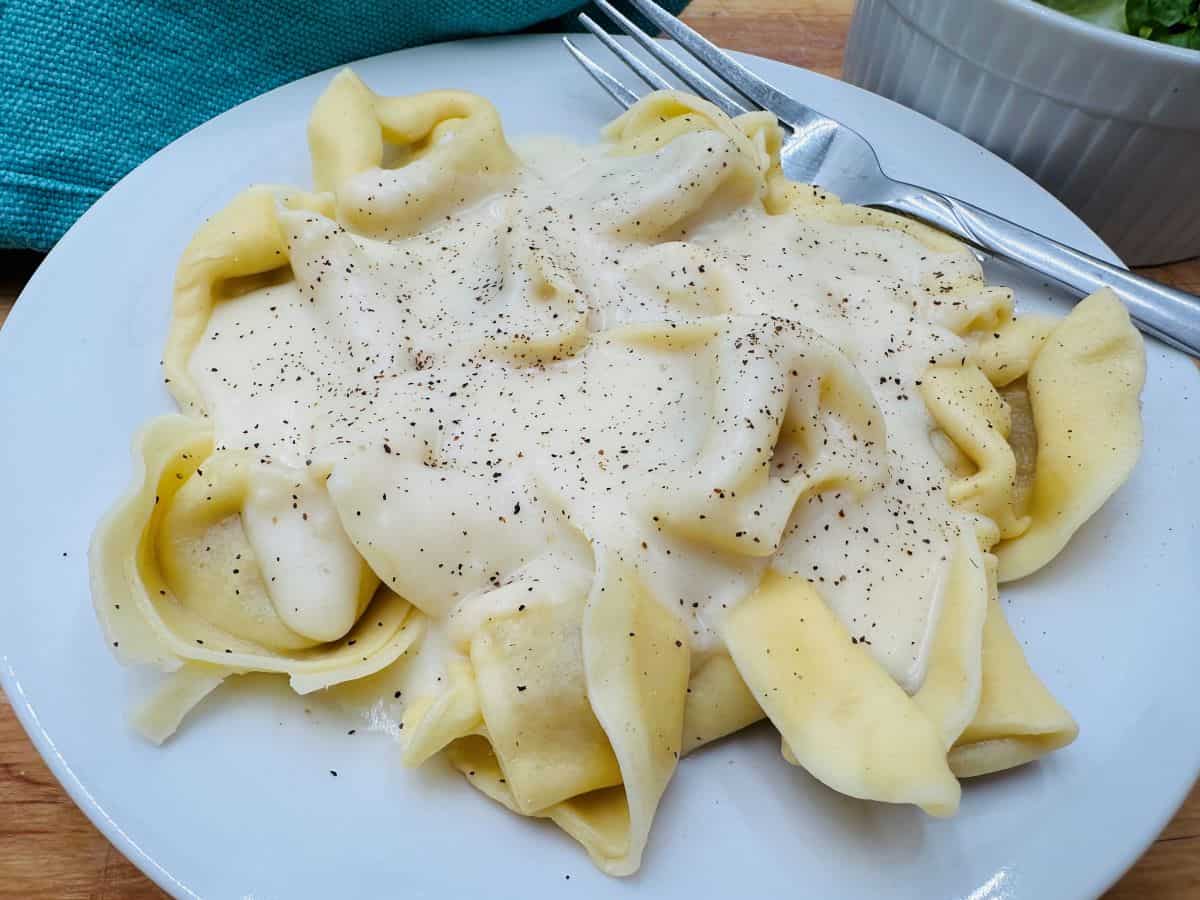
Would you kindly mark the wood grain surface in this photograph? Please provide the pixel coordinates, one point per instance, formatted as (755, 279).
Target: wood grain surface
(49, 850)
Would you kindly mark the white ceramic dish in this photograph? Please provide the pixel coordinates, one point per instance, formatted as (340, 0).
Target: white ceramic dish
(1107, 122)
(242, 802)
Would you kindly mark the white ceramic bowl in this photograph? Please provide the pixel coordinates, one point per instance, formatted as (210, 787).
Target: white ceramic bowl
(1108, 122)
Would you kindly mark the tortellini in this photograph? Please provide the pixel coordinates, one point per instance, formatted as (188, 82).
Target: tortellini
(566, 462)
(177, 582)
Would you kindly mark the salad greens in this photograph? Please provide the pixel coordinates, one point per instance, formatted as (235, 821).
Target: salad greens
(1174, 22)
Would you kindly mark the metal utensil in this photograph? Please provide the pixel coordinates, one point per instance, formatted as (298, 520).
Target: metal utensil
(822, 151)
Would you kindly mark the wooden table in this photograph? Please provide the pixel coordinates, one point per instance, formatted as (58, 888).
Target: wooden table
(49, 850)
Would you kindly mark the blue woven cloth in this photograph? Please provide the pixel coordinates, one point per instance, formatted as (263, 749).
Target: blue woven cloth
(90, 88)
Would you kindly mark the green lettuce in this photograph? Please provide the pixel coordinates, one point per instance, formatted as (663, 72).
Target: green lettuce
(1175, 22)
(1169, 21)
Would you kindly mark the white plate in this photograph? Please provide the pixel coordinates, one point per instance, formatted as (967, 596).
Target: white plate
(242, 803)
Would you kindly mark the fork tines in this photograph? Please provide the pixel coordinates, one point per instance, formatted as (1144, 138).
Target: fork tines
(757, 93)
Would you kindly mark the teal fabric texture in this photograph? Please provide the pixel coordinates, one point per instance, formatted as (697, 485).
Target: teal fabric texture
(90, 88)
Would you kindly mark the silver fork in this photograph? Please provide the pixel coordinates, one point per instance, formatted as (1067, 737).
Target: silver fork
(822, 151)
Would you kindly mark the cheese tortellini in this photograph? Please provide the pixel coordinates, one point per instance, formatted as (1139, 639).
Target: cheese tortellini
(564, 462)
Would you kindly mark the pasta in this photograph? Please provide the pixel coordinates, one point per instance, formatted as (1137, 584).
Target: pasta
(564, 462)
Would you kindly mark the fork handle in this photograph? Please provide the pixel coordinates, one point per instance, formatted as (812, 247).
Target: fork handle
(1170, 315)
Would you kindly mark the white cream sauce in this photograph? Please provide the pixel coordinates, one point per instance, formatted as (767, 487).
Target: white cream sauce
(486, 420)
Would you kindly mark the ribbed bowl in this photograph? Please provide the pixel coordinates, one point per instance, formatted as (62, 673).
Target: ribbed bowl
(1107, 122)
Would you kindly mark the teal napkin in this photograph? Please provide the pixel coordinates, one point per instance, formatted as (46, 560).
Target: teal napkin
(90, 88)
